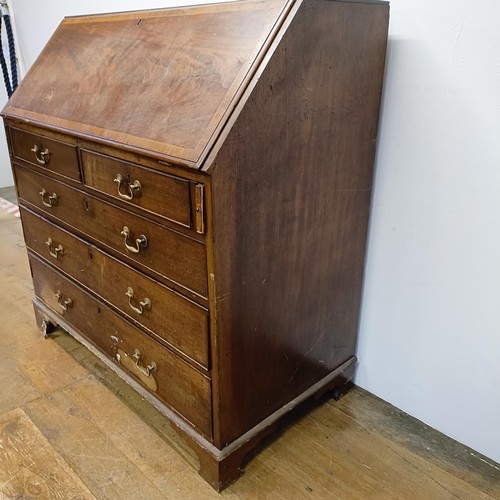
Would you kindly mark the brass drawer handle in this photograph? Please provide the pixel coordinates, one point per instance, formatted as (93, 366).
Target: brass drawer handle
(64, 304)
(145, 305)
(49, 200)
(55, 252)
(44, 157)
(146, 370)
(141, 242)
(133, 189)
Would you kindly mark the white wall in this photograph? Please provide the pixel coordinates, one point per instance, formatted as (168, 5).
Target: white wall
(430, 330)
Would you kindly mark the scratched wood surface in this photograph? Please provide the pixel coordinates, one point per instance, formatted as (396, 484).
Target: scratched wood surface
(69, 428)
(30, 467)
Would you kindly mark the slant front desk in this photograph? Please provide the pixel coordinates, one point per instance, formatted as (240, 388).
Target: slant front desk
(195, 186)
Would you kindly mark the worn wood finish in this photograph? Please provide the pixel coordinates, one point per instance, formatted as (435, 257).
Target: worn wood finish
(61, 158)
(159, 194)
(171, 318)
(153, 166)
(178, 385)
(30, 467)
(251, 129)
(291, 196)
(176, 170)
(93, 77)
(179, 259)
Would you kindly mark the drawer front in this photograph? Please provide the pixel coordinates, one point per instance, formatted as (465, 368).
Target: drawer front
(166, 314)
(162, 373)
(178, 258)
(55, 156)
(161, 194)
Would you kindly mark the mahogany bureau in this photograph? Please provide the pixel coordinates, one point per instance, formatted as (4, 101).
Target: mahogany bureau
(195, 186)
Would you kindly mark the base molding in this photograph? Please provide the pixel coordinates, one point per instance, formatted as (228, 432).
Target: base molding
(217, 467)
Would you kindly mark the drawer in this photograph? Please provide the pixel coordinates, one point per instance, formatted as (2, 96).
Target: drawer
(166, 314)
(179, 258)
(55, 156)
(161, 194)
(162, 373)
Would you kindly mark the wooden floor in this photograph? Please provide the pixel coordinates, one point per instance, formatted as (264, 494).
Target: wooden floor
(70, 428)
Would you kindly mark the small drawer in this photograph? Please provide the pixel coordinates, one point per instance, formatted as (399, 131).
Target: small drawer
(57, 157)
(160, 194)
(166, 314)
(163, 374)
(180, 259)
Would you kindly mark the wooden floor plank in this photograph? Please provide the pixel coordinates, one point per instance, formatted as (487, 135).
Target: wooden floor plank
(433, 447)
(297, 468)
(102, 466)
(38, 361)
(361, 449)
(12, 247)
(151, 454)
(30, 467)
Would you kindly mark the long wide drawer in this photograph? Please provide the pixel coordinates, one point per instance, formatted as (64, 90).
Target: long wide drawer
(168, 253)
(55, 156)
(166, 314)
(170, 379)
(158, 193)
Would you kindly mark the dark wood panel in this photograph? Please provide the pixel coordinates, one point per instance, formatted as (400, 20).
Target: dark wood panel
(122, 153)
(160, 194)
(170, 317)
(167, 253)
(54, 156)
(160, 80)
(181, 387)
(291, 195)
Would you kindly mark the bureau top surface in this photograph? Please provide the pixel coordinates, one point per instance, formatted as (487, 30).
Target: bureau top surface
(162, 81)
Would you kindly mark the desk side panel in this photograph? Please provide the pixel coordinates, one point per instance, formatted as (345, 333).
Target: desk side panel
(291, 196)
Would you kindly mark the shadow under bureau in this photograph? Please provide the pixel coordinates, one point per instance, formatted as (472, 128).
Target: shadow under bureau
(195, 186)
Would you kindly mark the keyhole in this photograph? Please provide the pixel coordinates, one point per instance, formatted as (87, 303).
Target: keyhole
(91, 257)
(86, 204)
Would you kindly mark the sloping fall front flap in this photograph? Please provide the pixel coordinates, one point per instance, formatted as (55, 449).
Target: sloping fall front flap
(160, 81)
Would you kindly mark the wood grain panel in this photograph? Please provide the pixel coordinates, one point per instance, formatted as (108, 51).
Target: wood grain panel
(291, 197)
(178, 385)
(30, 467)
(169, 254)
(160, 81)
(171, 318)
(160, 194)
(62, 158)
